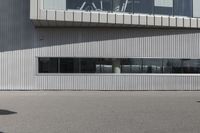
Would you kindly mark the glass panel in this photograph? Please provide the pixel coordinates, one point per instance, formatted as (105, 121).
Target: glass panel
(136, 65)
(163, 10)
(172, 66)
(55, 4)
(125, 66)
(167, 66)
(90, 5)
(123, 5)
(128, 65)
(131, 66)
(152, 66)
(191, 66)
(163, 7)
(66, 65)
(88, 65)
(106, 65)
(183, 7)
(48, 65)
(143, 6)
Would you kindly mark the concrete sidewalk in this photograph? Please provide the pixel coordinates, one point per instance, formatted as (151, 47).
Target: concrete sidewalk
(99, 112)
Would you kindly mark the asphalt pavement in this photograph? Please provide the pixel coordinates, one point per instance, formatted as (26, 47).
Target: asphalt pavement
(99, 112)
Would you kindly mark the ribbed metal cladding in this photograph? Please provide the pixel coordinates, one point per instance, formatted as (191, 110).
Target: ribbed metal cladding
(21, 43)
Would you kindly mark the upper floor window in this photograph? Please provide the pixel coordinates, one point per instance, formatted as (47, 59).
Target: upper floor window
(183, 7)
(143, 6)
(165, 7)
(90, 5)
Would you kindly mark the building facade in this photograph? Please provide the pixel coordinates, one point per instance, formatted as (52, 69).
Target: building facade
(100, 45)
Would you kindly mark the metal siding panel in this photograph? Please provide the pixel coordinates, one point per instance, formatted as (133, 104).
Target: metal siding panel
(21, 44)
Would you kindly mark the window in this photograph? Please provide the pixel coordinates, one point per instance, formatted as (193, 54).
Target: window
(163, 7)
(191, 66)
(131, 65)
(67, 65)
(106, 65)
(127, 65)
(143, 6)
(48, 65)
(183, 8)
(88, 65)
(122, 5)
(90, 5)
(152, 66)
(172, 66)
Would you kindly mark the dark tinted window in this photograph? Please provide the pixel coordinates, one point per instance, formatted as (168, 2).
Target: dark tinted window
(128, 65)
(143, 6)
(163, 10)
(172, 66)
(67, 65)
(191, 66)
(48, 65)
(106, 65)
(88, 65)
(183, 7)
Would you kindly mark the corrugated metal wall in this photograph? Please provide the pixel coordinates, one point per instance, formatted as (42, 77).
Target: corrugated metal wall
(21, 43)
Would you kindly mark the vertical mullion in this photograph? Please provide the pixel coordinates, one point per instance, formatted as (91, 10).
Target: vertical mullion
(153, 7)
(173, 8)
(58, 65)
(133, 6)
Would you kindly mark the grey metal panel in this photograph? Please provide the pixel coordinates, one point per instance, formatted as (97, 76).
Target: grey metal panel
(120, 82)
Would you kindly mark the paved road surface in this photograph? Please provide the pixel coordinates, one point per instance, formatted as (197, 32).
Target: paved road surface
(99, 112)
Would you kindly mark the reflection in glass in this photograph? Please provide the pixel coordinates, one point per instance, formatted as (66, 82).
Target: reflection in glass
(172, 66)
(131, 65)
(191, 66)
(122, 5)
(152, 65)
(106, 65)
(128, 65)
(165, 7)
(90, 5)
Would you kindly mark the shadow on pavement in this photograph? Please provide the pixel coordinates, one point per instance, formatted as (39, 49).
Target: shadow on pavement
(198, 101)
(6, 112)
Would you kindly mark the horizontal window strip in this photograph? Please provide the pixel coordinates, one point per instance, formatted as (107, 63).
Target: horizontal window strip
(164, 7)
(118, 65)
